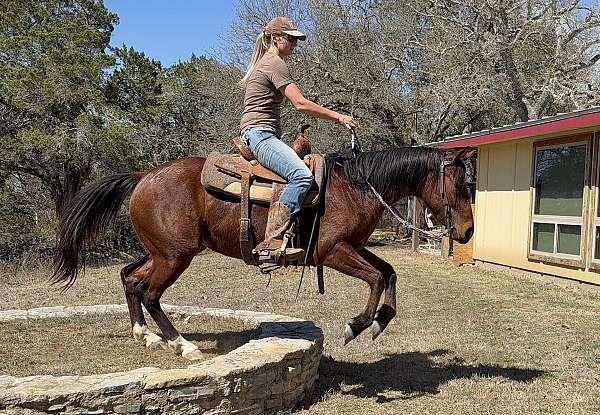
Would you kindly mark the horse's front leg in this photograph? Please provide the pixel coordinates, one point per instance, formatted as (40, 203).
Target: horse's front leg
(345, 259)
(387, 311)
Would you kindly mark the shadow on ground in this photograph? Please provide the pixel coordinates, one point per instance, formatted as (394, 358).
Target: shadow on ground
(221, 343)
(413, 374)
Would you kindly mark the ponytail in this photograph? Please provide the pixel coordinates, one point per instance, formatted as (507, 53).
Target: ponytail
(260, 48)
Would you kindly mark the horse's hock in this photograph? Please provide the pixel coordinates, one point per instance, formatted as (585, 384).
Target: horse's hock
(274, 372)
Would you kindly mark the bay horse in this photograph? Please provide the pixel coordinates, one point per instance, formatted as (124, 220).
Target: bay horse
(175, 219)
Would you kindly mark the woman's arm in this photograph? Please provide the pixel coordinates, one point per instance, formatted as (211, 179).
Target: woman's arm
(306, 106)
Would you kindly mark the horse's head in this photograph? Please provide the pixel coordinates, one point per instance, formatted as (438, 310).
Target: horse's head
(447, 197)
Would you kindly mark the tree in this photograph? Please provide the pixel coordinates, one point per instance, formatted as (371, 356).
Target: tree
(52, 63)
(484, 64)
(132, 92)
(201, 106)
(417, 71)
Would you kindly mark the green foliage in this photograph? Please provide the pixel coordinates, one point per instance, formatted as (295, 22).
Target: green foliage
(201, 104)
(53, 55)
(52, 62)
(134, 86)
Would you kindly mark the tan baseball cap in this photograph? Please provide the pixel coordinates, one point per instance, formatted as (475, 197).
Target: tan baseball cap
(280, 25)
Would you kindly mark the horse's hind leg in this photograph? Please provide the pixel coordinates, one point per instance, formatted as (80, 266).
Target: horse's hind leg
(346, 260)
(165, 272)
(132, 277)
(387, 311)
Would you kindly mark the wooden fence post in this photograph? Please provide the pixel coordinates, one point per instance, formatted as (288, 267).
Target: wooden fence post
(416, 216)
(446, 246)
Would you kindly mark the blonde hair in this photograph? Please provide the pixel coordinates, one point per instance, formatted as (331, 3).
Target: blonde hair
(260, 48)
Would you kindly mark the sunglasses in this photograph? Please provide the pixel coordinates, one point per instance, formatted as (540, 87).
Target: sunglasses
(289, 38)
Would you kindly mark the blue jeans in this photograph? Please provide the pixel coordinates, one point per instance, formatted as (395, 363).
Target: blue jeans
(277, 156)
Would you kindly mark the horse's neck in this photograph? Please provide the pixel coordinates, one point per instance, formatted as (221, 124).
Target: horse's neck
(405, 186)
(397, 179)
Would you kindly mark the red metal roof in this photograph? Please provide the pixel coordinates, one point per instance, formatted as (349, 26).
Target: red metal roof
(561, 122)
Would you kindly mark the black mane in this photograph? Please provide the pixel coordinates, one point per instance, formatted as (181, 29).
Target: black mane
(388, 171)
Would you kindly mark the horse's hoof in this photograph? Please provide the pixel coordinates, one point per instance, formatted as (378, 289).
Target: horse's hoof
(149, 339)
(348, 334)
(194, 355)
(156, 345)
(376, 329)
(184, 348)
(139, 332)
(154, 341)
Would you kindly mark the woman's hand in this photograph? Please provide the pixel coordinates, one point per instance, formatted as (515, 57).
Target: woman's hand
(347, 120)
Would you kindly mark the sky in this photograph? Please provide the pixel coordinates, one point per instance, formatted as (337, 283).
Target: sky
(170, 31)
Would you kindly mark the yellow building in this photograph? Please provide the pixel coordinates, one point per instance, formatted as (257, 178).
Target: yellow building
(536, 202)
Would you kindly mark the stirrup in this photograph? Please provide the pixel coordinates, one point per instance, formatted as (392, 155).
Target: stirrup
(284, 254)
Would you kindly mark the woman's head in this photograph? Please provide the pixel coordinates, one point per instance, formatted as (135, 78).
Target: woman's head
(283, 35)
(279, 36)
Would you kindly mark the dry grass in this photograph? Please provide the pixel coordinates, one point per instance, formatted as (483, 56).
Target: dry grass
(465, 341)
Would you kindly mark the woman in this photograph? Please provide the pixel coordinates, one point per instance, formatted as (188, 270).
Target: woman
(266, 82)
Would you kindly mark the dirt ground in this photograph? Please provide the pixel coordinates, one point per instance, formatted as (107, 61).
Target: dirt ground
(466, 340)
(103, 344)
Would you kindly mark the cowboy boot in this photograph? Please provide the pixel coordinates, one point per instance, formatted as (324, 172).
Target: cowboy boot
(279, 222)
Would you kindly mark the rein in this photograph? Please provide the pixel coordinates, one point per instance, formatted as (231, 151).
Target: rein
(437, 235)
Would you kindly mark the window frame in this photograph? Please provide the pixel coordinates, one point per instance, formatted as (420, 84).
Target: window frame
(578, 261)
(594, 218)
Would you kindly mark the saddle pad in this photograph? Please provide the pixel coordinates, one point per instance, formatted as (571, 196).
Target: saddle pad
(221, 174)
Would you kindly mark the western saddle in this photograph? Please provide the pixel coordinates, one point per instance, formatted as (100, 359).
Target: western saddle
(240, 176)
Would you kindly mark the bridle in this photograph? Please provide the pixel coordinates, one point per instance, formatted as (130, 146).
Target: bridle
(356, 149)
(442, 185)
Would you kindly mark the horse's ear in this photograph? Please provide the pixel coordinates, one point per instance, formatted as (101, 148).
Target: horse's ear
(460, 154)
(468, 153)
(302, 128)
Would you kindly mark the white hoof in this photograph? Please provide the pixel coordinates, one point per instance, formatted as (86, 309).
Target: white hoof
(154, 341)
(151, 340)
(139, 332)
(348, 334)
(375, 329)
(184, 348)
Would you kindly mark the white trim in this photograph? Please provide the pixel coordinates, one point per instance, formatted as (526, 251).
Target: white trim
(562, 220)
(556, 255)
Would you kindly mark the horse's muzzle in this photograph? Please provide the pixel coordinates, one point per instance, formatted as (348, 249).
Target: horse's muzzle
(465, 237)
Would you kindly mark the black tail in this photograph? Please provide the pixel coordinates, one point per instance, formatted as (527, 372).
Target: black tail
(84, 218)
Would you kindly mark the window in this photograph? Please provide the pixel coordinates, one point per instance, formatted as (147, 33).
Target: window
(560, 173)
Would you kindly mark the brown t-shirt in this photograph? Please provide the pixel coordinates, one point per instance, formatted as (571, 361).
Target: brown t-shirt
(262, 100)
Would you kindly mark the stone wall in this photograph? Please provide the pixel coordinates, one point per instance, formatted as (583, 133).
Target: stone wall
(274, 372)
